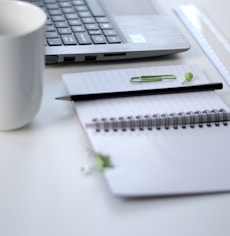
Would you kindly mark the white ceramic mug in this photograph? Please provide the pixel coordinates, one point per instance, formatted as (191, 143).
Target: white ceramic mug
(21, 63)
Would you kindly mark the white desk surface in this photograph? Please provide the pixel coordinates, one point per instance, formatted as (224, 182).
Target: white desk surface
(44, 193)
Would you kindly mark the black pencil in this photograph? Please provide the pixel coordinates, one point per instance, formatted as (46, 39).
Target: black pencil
(146, 92)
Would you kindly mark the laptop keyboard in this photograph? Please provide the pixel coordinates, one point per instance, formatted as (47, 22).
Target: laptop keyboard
(77, 22)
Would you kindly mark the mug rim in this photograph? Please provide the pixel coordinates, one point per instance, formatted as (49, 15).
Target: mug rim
(31, 7)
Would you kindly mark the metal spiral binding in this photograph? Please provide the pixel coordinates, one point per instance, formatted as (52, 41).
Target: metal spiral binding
(158, 121)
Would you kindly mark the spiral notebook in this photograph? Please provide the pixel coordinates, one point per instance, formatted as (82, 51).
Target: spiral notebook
(158, 145)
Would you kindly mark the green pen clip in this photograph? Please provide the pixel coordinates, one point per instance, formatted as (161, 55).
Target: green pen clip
(152, 78)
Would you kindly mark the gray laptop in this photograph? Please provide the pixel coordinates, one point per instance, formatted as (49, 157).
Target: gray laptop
(102, 30)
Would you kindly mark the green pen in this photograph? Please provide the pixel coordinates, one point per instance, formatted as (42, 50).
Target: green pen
(153, 78)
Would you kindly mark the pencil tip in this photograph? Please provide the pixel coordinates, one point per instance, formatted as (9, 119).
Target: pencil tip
(67, 98)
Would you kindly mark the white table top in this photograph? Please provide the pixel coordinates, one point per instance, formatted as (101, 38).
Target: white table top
(44, 193)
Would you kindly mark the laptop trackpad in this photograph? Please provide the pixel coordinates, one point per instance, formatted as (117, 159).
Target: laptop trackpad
(130, 7)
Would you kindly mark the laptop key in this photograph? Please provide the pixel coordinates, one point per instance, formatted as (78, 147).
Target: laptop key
(106, 26)
(58, 18)
(54, 42)
(83, 38)
(50, 28)
(88, 20)
(91, 27)
(79, 28)
(83, 14)
(75, 22)
(82, 8)
(55, 12)
(110, 32)
(68, 10)
(99, 39)
(69, 40)
(78, 2)
(94, 32)
(49, 1)
(64, 31)
(113, 39)
(102, 20)
(65, 4)
(52, 35)
(61, 24)
(52, 6)
(71, 16)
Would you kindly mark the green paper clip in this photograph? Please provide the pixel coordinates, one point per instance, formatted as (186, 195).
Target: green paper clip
(152, 78)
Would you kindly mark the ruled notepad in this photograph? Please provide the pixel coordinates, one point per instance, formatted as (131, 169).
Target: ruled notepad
(180, 158)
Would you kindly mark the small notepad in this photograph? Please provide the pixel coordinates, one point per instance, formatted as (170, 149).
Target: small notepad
(180, 158)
